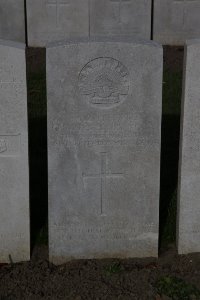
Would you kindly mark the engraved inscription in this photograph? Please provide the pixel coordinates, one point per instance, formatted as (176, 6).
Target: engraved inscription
(102, 176)
(57, 5)
(120, 4)
(10, 145)
(183, 11)
(104, 82)
(106, 231)
(12, 79)
(3, 145)
(14, 236)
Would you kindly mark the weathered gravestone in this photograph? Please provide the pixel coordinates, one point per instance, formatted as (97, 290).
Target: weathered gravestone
(188, 233)
(104, 120)
(175, 21)
(14, 175)
(52, 20)
(12, 20)
(120, 17)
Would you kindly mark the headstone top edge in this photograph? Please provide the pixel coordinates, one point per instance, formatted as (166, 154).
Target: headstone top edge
(192, 42)
(12, 44)
(125, 40)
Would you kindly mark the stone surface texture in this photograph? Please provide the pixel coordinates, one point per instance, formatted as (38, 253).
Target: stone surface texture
(53, 20)
(188, 229)
(14, 174)
(120, 17)
(104, 126)
(175, 21)
(12, 20)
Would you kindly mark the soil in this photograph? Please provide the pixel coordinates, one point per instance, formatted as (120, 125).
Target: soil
(95, 279)
(91, 279)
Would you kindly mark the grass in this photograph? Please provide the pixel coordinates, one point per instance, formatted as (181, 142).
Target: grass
(114, 268)
(177, 289)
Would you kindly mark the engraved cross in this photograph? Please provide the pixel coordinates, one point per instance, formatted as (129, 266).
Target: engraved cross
(102, 176)
(57, 4)
(120, 3)
(184, 3)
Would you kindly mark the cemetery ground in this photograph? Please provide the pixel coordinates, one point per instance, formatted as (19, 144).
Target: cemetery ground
(169, 277)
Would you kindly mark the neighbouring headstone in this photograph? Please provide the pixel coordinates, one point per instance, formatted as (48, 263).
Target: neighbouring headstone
(175, 21)
(53, 20)
(188, 225)
(14, 174)
(104, 126)
(12, 20)
(121, 17)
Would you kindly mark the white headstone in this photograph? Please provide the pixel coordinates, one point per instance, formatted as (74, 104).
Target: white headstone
(53, 20)
(14, 174)
(12, 20)
(175, 21)
(120, 17)
(188, 233)
(104, 124)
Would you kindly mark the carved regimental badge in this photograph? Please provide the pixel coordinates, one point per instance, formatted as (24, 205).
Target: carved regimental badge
(3, 146)
(104, 82)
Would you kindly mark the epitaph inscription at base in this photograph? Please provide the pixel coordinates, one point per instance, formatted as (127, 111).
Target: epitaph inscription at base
(104, 120)
(14, 175)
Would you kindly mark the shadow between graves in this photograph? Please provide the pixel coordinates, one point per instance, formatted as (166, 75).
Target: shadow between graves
(172, 93)
(37, 112)
(168, 179)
